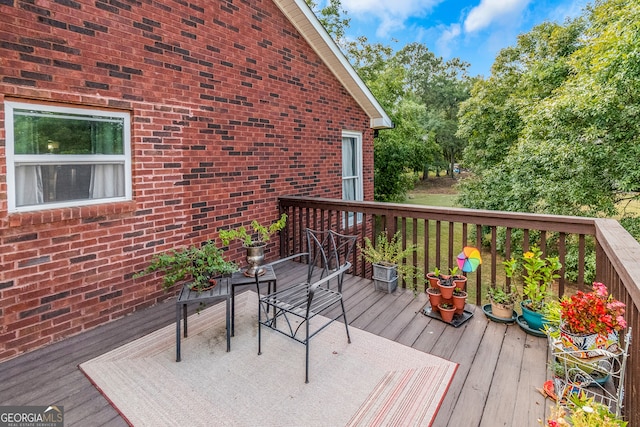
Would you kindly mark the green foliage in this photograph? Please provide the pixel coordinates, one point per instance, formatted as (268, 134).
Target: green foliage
(584, 411)
(502, 295)
(554, 130)
(261, 233)
(332, 18)
(536, 273)
(198, 264)
(388, 251)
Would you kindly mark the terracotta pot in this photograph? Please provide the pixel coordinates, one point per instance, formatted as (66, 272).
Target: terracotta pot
(446, 288)
(435, 297)
(460, 282)
(447, 313)
(459, 302)
(433, 280)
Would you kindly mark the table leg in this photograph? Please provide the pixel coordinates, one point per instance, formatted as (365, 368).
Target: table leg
(184, 316)
(233, 310)
(228, 328)
(178, 332)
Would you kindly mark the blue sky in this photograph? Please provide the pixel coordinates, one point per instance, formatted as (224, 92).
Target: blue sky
(472, 30)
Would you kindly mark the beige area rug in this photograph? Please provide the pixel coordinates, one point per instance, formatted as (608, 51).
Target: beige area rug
(372, 381)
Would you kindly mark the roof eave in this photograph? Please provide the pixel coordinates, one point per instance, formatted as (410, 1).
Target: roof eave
(307, 24)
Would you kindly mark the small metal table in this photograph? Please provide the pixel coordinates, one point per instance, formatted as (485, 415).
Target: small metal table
(220, 292)
(239, 279)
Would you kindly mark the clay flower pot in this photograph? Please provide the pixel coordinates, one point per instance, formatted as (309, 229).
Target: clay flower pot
(446, 288)
(433, 280)
(446, 312)
(459, 300)
(460, 282)
(435, 297)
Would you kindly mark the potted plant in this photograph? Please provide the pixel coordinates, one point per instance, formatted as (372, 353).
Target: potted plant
(388, 260)
(254, 241)
(435, 297)
(459, 280)
(583, 411)
(459, 300)
(447, 310)
(590, 321)
(201, 265)
(434, 276)
(446, 287)
(502, 300)
(537, 275)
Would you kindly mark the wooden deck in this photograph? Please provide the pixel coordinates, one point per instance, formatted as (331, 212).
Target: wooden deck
(480, 394)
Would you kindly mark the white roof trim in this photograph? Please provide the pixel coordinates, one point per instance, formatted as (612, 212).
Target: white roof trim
(307, 24)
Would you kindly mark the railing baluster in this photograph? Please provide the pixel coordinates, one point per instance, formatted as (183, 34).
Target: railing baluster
(616, 252)
(562, 252)
(438, 236)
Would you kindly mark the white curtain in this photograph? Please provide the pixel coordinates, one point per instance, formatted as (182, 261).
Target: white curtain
(29, 189)
(348, 169)
(106, 180)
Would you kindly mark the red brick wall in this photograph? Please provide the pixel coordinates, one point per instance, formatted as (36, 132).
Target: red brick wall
(230, 109)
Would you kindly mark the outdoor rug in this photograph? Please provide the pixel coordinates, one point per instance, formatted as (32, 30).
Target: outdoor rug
(372, 381)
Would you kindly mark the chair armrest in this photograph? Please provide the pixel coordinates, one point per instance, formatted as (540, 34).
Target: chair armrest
(343, 269)
(281, 260)
(289, 258)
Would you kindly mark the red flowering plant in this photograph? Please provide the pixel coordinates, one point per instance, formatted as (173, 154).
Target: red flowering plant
(592, 312)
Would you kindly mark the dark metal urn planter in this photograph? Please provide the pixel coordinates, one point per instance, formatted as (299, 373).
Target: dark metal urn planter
(255, 259)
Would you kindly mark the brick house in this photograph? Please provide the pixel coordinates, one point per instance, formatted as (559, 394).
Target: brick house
(131, 127)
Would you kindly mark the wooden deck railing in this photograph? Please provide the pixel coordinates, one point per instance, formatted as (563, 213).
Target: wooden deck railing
(441, 233)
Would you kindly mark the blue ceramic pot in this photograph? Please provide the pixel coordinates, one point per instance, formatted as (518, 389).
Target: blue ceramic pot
(534, 319)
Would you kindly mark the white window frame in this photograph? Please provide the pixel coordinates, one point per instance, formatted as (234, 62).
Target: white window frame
(64, 159)
(348, 219)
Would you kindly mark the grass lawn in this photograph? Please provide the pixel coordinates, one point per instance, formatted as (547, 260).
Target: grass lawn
(440, 192)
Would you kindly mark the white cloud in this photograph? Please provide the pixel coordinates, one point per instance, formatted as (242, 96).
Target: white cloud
(447, 40)
(492, 11)
(568, 10)
(391, 13)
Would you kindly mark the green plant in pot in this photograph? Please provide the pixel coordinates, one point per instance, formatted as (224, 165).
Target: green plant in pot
(537, 275)
(459, 280)
(200, 265)
(254, 241)
(389, 261)
(434, 276)
(502, 299)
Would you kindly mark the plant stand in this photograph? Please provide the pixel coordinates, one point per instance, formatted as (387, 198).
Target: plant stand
(458, 319)
(600, 377)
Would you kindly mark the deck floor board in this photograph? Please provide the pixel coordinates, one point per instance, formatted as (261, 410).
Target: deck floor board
(499, 369)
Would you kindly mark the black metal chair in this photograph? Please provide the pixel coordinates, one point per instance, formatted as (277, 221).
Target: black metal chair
(327, 257)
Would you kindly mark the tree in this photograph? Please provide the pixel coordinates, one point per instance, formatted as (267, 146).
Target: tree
(508, 172)
(440, 86)
(332, 17)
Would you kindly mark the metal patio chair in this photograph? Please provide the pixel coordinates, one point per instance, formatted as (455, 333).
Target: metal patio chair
(327, 256)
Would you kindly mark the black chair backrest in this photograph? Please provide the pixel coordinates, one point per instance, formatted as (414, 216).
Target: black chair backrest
(328, 251)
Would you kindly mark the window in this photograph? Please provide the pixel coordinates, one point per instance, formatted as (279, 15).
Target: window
(352, 171)
(60, 156)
